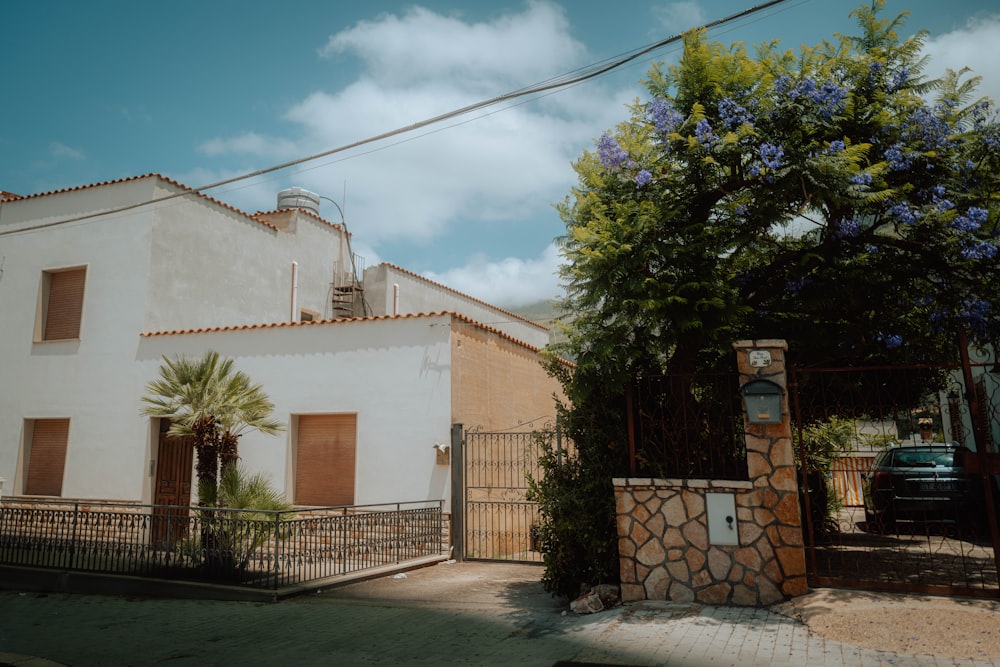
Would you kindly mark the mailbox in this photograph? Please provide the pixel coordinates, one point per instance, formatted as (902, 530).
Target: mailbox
(762, 399)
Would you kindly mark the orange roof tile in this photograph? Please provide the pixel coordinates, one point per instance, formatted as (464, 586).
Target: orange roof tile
(9, 196)
(306, 212)
(349, 320)
(466, 296)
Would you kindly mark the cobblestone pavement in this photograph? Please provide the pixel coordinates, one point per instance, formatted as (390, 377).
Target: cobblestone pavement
(449, 614)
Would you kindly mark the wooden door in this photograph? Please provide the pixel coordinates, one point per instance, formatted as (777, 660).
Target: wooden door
(325, 459)
(172, 491)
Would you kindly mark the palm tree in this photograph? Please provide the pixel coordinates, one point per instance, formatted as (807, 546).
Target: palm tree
(245, 407)
(207, 399)
(255, 510)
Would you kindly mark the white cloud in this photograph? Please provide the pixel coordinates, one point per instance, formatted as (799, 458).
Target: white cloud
(969, 47)
(445, 181)
(510, 283)
(61, 151)
(421, 46)
(678, 17)
(250, 143)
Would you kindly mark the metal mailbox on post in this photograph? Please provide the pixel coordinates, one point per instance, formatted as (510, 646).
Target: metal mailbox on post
(762, 399)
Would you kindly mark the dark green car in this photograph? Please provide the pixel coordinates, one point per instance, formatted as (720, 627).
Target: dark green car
(922, 483)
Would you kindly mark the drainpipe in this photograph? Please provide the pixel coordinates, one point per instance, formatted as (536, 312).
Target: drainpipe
(395, 298)
(293, 315)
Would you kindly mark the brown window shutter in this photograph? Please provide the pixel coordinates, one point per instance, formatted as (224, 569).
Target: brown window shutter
(65, 304)
(325, 457)
(47, 457)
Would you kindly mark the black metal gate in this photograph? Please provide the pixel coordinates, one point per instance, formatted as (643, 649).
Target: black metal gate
(938, 532)
(498, 519)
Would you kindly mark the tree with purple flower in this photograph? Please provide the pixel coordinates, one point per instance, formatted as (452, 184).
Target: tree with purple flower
(820, 199)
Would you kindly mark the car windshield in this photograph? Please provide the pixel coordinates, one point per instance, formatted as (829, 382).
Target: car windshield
(924, 459)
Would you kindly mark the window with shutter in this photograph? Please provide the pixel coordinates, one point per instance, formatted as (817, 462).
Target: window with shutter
(61, 306)
(46, 456)
(324, 459)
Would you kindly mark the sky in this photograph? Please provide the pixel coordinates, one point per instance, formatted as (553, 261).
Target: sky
(203, 92)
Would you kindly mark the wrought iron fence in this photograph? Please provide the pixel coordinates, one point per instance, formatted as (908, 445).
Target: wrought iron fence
(260, 549)
(687, 427)
(925, 526)
(499, 519)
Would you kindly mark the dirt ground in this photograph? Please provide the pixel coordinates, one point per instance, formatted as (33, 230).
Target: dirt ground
(913, 624)
(918, 625)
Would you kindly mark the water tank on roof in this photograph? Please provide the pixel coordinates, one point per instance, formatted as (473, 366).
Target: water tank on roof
(299, 198)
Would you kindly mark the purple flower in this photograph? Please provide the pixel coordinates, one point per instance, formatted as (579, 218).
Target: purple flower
(899, 79)
(663, 115)
(828, 96)
(927, 128)
(836, 146)
(903, 213)
(643, 178)
(874, 72)
(891, 341)
(703, 132)
(733, 114)
(977, 214)
(980, 115)
(964, 223)
(611, 153)
(848, 229)
(897, 160)
(772, 156)
(979, 250)
(830, 99)
(862, 178)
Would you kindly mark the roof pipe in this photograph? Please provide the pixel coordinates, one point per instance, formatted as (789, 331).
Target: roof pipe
(395, 298)
(293, 315)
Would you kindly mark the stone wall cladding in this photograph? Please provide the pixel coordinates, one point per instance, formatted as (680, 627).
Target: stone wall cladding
(663, 536)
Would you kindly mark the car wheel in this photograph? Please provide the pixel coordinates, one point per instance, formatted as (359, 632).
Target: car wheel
(881, 523)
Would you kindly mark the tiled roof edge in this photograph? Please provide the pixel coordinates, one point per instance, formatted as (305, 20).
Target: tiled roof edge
(349, 320)
(306, 211)
(466, 296)
(129, 179)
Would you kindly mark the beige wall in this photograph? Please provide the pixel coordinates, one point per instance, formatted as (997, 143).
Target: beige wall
(498, 384)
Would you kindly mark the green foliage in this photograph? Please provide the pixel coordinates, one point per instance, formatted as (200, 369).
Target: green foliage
(815, 197)
(823, 442)
(241, 490)
(576, 532)
(230, 539)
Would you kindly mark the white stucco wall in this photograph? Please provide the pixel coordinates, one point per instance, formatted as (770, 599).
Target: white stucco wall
(77, 379)
(417, 295)
(394, 374)
(183, 263)
(213, 266)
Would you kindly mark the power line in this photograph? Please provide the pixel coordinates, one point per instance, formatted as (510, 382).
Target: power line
(562, 81)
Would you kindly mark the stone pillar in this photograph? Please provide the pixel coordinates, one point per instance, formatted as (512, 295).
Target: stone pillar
(771, 463)
(664, 544)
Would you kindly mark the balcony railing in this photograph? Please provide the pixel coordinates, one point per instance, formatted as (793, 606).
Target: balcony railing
(259, 549)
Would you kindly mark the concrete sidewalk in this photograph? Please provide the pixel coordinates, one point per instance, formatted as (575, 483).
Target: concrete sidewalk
(449, 614)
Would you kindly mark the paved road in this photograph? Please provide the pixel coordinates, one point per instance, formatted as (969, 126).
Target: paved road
(449, 614)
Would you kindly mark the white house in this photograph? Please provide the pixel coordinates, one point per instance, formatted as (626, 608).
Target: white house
(99, 283)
